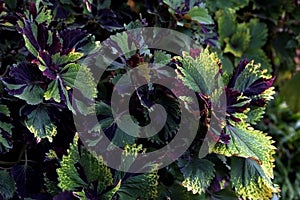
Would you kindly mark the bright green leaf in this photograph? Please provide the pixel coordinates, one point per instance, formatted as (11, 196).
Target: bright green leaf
(249, 143)
(63, 59)
(226, 23)
(199, 74)
(94, 169)
(44, 15)
(200, 15)
(53, 91)
(239, 41)
(80, 77)
(249, 180)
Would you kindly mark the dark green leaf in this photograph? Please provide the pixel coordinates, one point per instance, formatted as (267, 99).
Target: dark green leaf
(226, 23)
(139, 187)
(239, 41)
(259, 34)
(7, 185)
(198, 174)
(5, 130)
(39, 123)
(290, 94)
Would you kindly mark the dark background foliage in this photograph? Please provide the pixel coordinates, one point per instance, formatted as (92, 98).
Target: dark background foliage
(266, 31)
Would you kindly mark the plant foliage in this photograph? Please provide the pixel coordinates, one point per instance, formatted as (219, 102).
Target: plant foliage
(242, 44)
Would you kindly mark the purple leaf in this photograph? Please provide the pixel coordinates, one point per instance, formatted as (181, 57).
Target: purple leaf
(28, 180)
(73, 39)
(42, 36)
(27, 31)
(66, 195)
(216, 184)
(235, 104)
(258, 102)
(45, 57)
(240, 68)
(32, 9)
(23, 75)
(259, 86)
(224, 137)
(40, 41)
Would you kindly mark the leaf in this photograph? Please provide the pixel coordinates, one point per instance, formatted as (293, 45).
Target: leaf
(39, 123)
(239, 41)
(31, 48)
(64, 195)
(7, 185)
(51, 186)
(44, 15)
(259, 34)
(178, 192)
(182, 6)
(139, 187)
(70, 77)
(25, 177)
(67, 173)
(24, 82)
(122, 45)
(73, 39)
(32, 94)
(259, 56)
(249, 180)
(200, 15)
(290, 94)
(160, 57)
(108, 124)
(198, 174)
(172, 108)
(110, 194)
(82, 172)
(227, 68)
(5, 135)
(255, 115)
(63, 59)
(225, 194)
(199, 74)
(5, 129)
(121, 139)
(80, 77)
(38, 37)
(249, 143)
(226, 23)
(214, 5)
(130, 154)
(237, 105)
(4, 110)
(252, 81)
(12, 4)
(53, 91)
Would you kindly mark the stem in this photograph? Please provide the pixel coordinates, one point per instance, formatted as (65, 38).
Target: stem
(24, 149)
(26, 160)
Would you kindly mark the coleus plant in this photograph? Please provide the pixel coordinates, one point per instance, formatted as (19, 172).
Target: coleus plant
(265, 35)
(38, 133)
